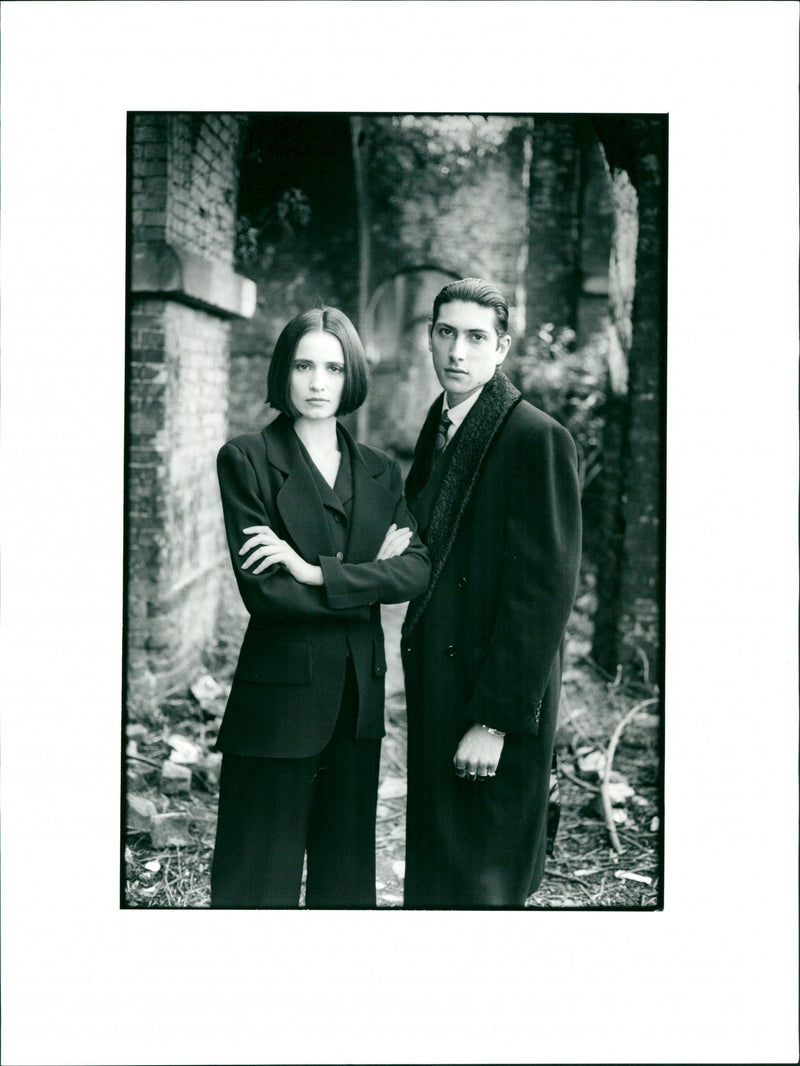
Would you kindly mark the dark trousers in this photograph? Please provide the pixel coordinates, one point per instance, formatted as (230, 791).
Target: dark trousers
(272, 812)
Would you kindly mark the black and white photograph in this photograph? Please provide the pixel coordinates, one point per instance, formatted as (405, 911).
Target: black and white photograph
(398, 547)
(269, 640)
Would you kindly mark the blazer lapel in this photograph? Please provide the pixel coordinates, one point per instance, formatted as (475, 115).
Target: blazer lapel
(372, 511)
(298, 500)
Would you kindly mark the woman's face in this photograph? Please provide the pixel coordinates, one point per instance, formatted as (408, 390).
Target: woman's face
(317, 375)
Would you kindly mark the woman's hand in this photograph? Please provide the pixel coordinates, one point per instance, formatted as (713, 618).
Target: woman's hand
(267, 549)
(394, 543)
(478, 754)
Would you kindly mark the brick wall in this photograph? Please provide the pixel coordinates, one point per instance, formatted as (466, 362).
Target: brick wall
(183, 203)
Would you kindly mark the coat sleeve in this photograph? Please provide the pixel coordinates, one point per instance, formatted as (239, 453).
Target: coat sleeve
(387, 581)
(538, 582)
(273, 593)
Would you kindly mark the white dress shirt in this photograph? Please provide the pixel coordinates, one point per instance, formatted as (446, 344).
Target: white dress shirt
(459, 413)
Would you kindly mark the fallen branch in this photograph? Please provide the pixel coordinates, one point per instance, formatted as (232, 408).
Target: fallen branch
(577, 780)
(141, 758)
(566, 877)
(608, 813)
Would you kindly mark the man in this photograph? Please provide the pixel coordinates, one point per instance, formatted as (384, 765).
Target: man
(494, 488)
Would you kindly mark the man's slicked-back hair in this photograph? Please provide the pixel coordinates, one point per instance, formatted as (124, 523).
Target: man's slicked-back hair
(329, 320)
(475, 291)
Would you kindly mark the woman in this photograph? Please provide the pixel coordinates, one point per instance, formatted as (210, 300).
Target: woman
(319, 537)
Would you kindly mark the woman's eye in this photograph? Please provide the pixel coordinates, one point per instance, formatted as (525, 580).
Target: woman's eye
(335, 368)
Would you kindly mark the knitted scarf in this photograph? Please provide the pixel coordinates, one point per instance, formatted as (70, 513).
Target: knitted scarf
(470, 447)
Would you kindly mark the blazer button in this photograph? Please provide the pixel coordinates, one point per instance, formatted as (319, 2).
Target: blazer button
(461, 583)
(337, 517)
(339, 556)
(450, 650)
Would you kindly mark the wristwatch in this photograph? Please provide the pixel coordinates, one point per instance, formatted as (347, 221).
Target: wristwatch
(494, 732)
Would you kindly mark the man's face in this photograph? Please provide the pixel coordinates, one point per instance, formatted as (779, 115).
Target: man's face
(466, 348)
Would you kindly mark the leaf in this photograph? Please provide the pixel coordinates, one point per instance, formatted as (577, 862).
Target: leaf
(153, 866)
(591, 765)
(205, 690)
(619, 792)
(392, 788)
(184, 751)
(399, 867)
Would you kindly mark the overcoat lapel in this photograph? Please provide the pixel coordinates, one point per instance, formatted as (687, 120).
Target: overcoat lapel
(469, 449)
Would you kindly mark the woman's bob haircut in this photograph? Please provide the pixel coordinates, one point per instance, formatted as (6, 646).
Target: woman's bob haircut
(332, 321)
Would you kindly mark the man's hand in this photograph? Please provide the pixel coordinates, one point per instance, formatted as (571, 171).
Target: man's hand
(394, 543)
(478, 754)
(267, 549)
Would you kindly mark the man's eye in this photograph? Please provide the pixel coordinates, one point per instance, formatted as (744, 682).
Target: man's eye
(478, 337)
(444, 331)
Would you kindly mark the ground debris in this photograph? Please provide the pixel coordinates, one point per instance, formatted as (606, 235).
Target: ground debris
(181, 835)
(170, 830)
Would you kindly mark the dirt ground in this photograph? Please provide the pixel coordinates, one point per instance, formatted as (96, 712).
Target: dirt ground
(584, 871)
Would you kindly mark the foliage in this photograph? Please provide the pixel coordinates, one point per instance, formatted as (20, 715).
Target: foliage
(258, 239)
(569, 384)
(432, 152)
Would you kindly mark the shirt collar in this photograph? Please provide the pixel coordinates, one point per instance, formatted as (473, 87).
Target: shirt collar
(459, 413)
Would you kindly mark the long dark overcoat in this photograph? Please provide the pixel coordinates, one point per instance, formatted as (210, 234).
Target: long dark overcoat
(290, 675)
(501, 517)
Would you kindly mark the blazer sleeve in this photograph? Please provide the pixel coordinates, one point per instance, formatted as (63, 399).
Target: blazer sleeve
(385, 581)
(538, 582)
(273, 593)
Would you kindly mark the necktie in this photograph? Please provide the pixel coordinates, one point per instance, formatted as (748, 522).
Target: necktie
(441, 437)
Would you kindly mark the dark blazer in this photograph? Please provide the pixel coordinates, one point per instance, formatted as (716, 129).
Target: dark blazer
(290, 675)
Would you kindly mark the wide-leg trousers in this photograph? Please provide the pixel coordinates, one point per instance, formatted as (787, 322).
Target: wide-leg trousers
(275, 812)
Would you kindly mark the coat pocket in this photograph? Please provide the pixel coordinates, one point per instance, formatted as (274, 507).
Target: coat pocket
(276, 664)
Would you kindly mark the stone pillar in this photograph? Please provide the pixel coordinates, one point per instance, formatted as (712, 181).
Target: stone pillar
(183, 294)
